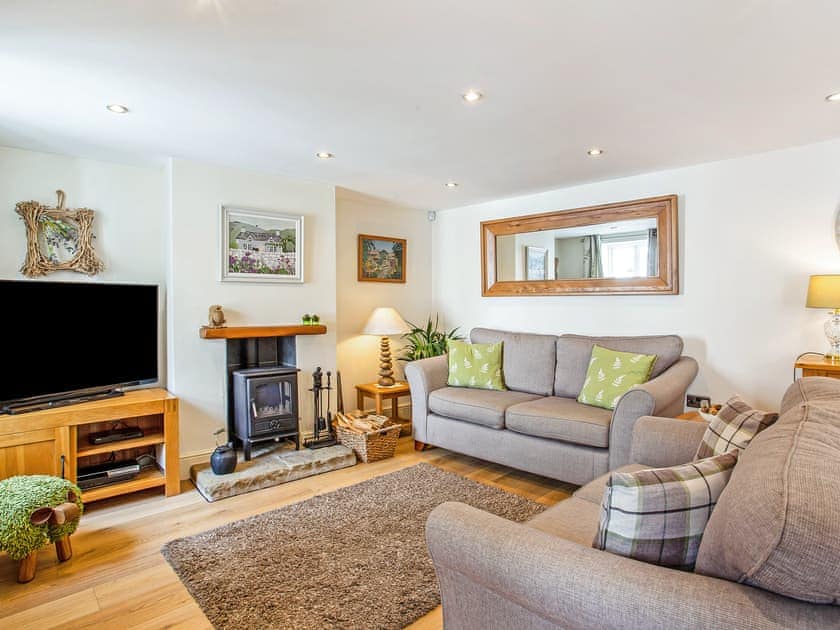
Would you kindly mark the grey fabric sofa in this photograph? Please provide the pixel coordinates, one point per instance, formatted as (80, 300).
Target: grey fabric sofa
(494, 573)
(538, 425)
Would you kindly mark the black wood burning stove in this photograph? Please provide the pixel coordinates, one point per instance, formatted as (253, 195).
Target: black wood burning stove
(265, 405)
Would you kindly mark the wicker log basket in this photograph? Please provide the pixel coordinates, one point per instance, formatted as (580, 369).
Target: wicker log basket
(369, 445)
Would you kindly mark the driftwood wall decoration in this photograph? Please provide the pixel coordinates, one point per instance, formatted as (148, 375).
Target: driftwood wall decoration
(58, 239)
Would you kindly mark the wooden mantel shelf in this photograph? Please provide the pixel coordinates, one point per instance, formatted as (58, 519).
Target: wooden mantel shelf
(242, 332)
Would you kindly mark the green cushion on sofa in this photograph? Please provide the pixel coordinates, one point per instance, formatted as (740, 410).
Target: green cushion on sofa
(477, 365)
(611, 374)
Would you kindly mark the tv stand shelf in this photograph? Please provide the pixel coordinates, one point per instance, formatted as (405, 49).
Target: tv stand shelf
(150, 439)
(145, 480)
(52, 441)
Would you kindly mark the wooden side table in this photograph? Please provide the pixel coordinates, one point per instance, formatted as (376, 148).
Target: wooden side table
(691, 415)
(380, 394)
(817, 365)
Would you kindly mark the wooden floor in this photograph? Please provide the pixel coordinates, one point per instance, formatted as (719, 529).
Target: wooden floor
(118, 579)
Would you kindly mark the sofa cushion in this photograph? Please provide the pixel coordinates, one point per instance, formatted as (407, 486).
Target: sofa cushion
(562, 419)
(573, 519)
(658, 515)
(528, 360)
(777, 524)
(611, 374)
(811, 390)
(477, 365)
(480, 406)
(574, 352)
(734, 426)
(576, 519)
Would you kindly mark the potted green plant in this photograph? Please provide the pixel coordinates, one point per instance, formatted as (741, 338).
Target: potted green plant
(426, 341)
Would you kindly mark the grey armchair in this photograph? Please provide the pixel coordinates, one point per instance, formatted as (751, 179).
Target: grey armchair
(494, 573)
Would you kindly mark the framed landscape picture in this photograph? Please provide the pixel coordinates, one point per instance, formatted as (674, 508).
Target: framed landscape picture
(261, 246)
(535, 263)
(381, 259)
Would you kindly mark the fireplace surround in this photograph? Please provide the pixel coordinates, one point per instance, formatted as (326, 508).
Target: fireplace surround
(262, 373)
(259, 352)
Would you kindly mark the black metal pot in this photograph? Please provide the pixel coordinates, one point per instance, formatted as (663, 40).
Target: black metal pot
(223, 460)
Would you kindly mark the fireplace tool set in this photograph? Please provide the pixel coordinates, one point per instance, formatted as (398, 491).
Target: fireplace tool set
(324, 435)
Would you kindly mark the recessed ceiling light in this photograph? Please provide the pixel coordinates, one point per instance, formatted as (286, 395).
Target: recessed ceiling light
(451, 184)
(595, 151)
(472, 96)
(324, 155)
(833, 98)
(117, 109)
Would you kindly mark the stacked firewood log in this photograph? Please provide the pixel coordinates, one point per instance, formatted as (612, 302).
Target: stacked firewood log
(359, 424)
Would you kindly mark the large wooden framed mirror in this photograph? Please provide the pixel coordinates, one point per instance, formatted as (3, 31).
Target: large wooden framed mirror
(626, 248)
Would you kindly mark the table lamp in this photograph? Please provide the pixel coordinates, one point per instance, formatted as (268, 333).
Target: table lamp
(824, 292)
(384, 322)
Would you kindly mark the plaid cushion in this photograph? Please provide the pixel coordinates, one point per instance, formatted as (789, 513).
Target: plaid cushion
(658, 515)
(734, 426)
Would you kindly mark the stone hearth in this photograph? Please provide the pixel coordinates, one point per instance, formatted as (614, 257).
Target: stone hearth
(270, 469)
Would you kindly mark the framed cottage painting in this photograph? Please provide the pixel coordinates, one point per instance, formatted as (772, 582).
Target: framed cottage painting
(261, 246)
(381, 259)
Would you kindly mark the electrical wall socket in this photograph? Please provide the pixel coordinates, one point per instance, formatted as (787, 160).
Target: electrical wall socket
(692, 400)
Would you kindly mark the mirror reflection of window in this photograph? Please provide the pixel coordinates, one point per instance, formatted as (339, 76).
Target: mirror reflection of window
(625, 255)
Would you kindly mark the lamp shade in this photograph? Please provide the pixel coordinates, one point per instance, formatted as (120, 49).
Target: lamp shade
(824, 291)
(385, 321)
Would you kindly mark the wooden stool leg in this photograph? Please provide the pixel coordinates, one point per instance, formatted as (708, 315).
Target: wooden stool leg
(26, 567)
(63, 549)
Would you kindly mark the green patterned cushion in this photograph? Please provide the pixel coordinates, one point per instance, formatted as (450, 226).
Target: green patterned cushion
(611, 374)
(477, 365)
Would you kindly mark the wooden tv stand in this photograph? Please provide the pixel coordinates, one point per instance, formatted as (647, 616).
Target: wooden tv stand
(52, 441)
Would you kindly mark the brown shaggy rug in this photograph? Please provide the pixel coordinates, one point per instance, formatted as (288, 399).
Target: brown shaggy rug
(353, 558)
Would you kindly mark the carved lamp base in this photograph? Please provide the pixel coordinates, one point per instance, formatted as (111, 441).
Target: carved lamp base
(386, 373)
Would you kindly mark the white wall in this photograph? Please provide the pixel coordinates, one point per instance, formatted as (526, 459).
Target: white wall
(129, 223)
(129, 205)
(534, 239)
(356, 214)
(197, 366)
(569, 253)
(506, 257)
(751, 231)
(512, 254)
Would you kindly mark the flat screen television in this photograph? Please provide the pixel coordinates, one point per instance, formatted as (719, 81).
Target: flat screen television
(67, 341)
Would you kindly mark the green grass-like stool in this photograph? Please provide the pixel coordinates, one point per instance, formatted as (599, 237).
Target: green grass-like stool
(36, 510)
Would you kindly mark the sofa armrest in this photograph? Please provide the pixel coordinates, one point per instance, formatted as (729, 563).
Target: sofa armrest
(495, 573)
(424, 377)
(663, 396)
(661, 442)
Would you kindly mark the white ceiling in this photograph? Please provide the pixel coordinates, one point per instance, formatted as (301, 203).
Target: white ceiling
(613, 228)
(264, 84)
